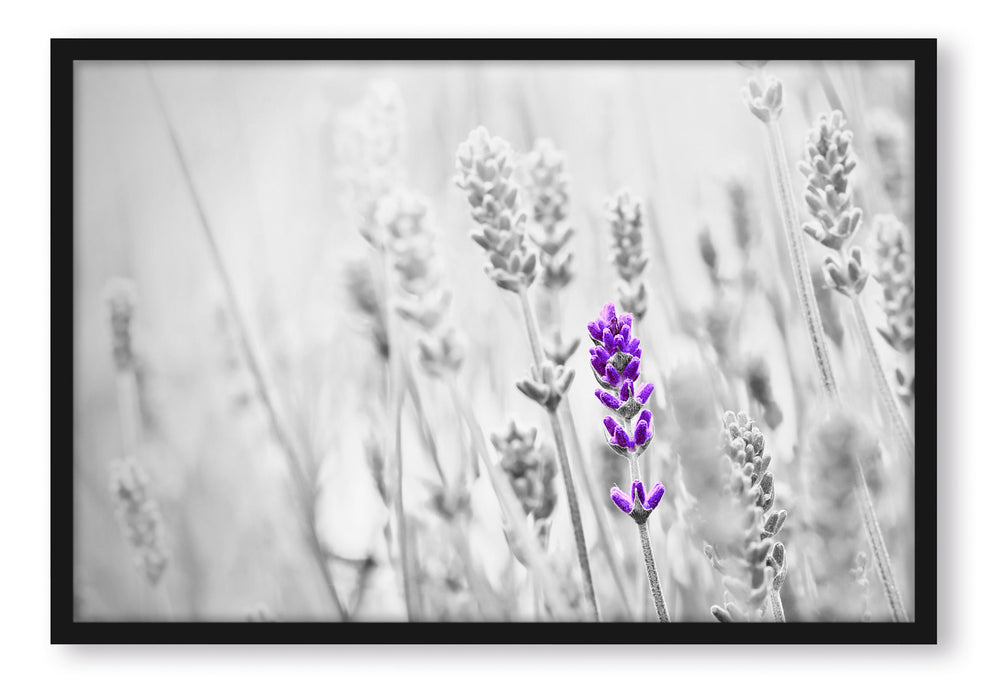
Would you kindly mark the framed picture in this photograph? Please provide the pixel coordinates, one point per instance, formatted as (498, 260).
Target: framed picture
(474, 341)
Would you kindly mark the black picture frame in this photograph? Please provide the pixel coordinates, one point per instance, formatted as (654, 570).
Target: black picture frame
(64, 52)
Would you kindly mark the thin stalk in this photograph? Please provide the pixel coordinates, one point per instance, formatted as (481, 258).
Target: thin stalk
(644, 540)
(565, 467)
(880, 553)
(778, 608)
(799, 260)
(886, 393)
(297, 471)
(651, 573)
(514, 517)
(573, 506)
(604, 525)
(813, 322)
(402, 530)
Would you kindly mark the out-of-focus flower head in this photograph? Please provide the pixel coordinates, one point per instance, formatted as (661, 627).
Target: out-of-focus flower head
(895, 273)
(625, 216)
(546, 184)
(484, 170)
(139, 518)
(766, 102)
(531, 470)
(121, 298)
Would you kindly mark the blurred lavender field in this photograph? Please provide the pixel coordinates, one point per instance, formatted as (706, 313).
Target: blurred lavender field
(238, 443)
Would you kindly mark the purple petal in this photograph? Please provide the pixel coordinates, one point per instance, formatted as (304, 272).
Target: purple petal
(621, 500)
(641, 433)
(626, 331)
(644, 393)
(608, 313)
(646, 416)
(637, 490)
(632, 369)
(610, 424)
(626, 391)
(624, 320)
(607, 399)
(633, 346)
(602, 354)
(595, 330)
(599, 366)
(656, 493)
(612, 375)
(608, 340)
(620, 438)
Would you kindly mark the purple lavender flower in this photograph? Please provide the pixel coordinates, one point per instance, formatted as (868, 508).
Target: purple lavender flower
(639, 498)
(616, 359)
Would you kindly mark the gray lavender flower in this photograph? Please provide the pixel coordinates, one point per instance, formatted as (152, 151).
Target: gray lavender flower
(895, 273)
(753, 565)
(485, 166)
(547, 189)
(408, 237)
(139, 518)
(828, 160)
(531, 470)
(121, 299)
(625, 215)
(846, 273)
(765, 102)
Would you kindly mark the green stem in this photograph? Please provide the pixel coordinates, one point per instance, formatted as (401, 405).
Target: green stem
(886, 393)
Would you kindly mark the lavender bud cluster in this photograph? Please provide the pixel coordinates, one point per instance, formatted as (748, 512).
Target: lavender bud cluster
(409, 238)
(625, 216)
(531, 471)
(828, 161)
(484, 170)
(766, 103)
(895, 273)
(547, 189)
(752, 563)
(121, 299)
(139, 518)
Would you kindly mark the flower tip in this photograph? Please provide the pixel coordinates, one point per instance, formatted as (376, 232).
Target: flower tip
(621, 500)
(656, 493)
(637, 490)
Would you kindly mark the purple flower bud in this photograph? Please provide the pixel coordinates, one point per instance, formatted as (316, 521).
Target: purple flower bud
(640, 433)
(637, 490)
(626, 331)
(608, 313)
(646, 416)
(620, 438)
(644, 393)
(621, 500)
(656, 493)
(624, 320)
(598, 365)
(626, 391)
(608, 340)
(612, 375)
(610, 424)
(633, 346)
(632, 369)
(595, 330)
(607, 399)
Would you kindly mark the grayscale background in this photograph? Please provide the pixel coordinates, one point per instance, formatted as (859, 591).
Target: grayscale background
(218, 210)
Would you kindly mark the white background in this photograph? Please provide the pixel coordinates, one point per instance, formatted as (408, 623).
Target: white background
(33, 668)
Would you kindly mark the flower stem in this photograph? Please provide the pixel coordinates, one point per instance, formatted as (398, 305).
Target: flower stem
(651, 572)
(778, 608)
(605, 531)
(644, 539)
(873, 532)
(799, 260)
(886, 394)
(572, 502)
(565, 466)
